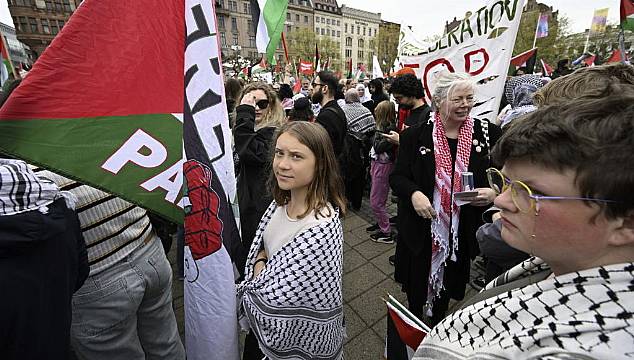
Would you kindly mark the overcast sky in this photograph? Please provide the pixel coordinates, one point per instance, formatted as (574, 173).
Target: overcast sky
(428, 19)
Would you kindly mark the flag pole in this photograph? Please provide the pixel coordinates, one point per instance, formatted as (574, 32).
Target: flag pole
(622, 45)
(585, 48)
(536, 29)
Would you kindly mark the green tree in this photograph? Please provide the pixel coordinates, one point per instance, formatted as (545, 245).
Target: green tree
(301, 43)
(386, 44)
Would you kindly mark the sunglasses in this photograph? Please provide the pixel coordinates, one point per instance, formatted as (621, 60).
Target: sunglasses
(523, 197)
(262, 104)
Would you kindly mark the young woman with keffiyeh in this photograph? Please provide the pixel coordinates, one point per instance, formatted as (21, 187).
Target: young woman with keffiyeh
(436, 235)
(291, 298)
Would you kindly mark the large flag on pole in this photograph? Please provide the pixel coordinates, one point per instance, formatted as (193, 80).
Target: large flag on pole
(268, 18)
(377, 73)
(526, 59)
(599, 20)
(627, 15)
(547, 69)
(103, 107)
(211, 232)
(542, 26)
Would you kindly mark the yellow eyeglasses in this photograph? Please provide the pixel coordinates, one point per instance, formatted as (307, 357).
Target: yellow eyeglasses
(522, 195)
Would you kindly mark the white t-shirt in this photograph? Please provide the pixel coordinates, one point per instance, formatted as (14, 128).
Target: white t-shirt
(282, 229)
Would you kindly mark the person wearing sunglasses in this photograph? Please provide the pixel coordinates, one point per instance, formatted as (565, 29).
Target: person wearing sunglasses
(565, 196)
(258, 116)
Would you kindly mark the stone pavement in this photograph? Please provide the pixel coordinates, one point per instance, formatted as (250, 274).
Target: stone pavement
(368, 276)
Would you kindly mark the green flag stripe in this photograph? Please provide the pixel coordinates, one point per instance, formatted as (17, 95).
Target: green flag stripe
(274, 14)
(78, 148)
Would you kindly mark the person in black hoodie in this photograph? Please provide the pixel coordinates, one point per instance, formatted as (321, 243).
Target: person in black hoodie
(43, 262)
(378, 94)
(331, 116)
(257, 117)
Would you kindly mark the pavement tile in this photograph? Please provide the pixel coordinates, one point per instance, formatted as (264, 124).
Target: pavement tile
(370, 249)
(352, 239)
(360, 280)
(353, 221)
(383, 263)
(369, 306)
(354, 324)
(352, 260)
(380, 327)
(366, 346)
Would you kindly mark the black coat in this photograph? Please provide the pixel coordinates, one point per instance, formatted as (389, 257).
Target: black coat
(254, 150)
(414, 171)
(43, 262)
(333, 119)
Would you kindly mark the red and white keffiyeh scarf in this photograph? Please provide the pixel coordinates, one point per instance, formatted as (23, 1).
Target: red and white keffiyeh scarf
(447, 212)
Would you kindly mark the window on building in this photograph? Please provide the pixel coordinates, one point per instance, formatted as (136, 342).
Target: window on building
(348, 53)
(305, 19)
(328, 32)
(223, 39)
(250, 28)
(288, 29)
(327, 21)
(66, 5)
(371, 44)
(317, 30)
(338, 33)
(348, 41)
(61, 24)
(296, 17)
(358, 30)
(24, 24)
(345, 28)
(54, 28)
(58, 5)
(323, 20)
(23, 2)
(33, 23)
(360, 43)
(316, 19)
(288, 16)
(364, 31)
(234, 24)
(45, 28)
(49, 5)
(360, 55)
(247, 8)
(233, 5)
(323, 32)
(252, 40)
(374, 32)
(221, 3)
(221, 22)
(235, 40)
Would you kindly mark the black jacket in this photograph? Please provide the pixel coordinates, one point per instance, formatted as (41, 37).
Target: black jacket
(43, 262)
(382, 145)
(254, 150)
(415, 171)
(418, 116)
(333, 119)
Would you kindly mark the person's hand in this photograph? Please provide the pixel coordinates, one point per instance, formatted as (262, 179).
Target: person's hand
(258, 267)
(392, 137)
(485, 197)
(248, 99)
(422, 205)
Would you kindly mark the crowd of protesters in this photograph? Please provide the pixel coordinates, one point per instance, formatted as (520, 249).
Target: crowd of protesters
(550, 210)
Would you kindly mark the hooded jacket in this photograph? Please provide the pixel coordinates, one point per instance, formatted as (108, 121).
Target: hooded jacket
(42, 263)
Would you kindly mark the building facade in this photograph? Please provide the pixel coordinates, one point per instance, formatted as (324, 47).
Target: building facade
(300, 15)
(38, 21)
(17, 50)
(329, 24)
(360, 30)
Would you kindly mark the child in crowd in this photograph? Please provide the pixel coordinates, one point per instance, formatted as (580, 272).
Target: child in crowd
(291, 298)
(382, 155)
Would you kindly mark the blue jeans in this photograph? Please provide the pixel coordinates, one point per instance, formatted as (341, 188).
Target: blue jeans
(125, 312)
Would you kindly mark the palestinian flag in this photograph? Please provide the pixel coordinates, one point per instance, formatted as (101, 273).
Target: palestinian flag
(101, 107)
(411, 330)
(627, 15)
(269, 17)
(615, 57)
(526, 59)
(548, 70)
(6, 67)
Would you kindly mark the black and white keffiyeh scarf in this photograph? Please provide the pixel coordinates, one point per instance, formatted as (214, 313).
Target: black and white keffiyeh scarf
(21, 190)
(581, 315)
(295, 305)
